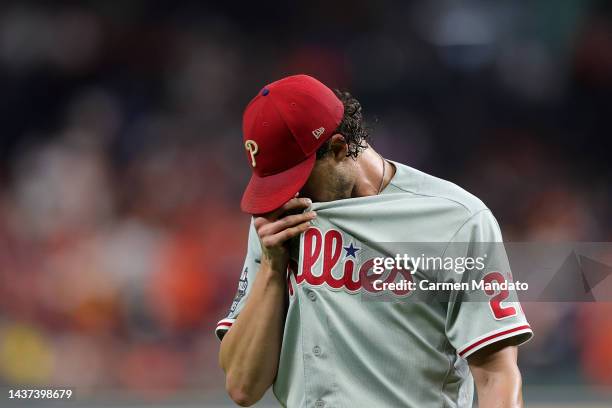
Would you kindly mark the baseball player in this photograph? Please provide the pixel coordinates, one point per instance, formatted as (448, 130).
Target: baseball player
(311, 317)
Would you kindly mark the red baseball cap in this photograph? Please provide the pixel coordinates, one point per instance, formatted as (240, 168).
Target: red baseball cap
(283, 126)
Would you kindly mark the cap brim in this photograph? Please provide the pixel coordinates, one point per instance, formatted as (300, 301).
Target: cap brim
(265, 194)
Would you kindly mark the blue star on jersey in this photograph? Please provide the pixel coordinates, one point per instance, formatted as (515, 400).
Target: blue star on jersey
(351, 251)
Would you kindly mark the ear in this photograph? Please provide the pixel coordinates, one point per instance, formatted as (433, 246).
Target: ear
(338, 147)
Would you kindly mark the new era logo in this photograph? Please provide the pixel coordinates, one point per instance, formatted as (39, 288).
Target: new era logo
(318, 132)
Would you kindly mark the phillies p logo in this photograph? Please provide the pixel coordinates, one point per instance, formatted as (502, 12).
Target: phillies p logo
(252, 148)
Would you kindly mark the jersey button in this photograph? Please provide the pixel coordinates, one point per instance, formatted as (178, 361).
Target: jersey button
(316, 350)
(311, 295)
(319, 403)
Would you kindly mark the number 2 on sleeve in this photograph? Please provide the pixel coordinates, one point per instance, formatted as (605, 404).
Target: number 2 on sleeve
(499, 311)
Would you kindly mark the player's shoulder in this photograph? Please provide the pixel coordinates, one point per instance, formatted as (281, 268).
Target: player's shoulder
(418, 184)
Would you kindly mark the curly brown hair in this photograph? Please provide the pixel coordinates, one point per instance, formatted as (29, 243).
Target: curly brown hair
(352, 127)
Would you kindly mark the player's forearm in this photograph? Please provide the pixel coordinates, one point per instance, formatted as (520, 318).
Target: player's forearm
(250, 350)
(499, 389)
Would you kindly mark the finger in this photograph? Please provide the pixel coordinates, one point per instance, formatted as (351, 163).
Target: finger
(294, 204)
(286, 222)
(286, 234)
(291, 205)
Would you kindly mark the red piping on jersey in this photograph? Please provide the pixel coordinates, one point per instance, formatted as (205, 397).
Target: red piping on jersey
(479, 342)
(228, 324)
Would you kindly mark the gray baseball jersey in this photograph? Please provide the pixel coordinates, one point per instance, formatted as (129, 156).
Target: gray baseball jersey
(348, 340)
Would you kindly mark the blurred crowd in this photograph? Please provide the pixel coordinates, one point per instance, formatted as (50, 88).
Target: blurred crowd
(121, 166)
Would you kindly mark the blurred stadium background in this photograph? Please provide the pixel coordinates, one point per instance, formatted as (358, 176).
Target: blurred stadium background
(121, 168)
